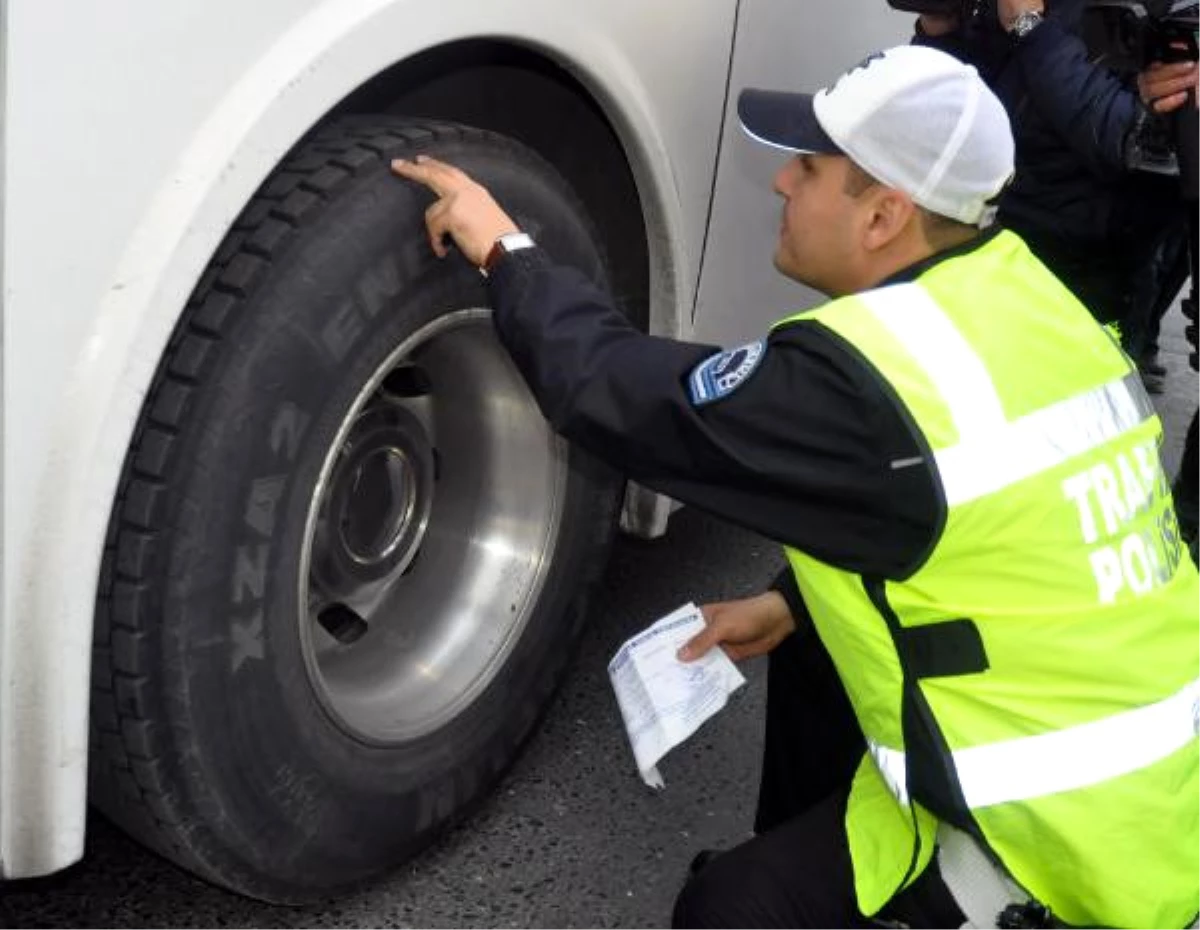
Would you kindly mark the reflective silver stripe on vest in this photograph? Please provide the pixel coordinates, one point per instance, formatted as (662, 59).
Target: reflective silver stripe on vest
(919, 324)
(1042, 439)
(891, 765)
(993, 453)
(1067, 759)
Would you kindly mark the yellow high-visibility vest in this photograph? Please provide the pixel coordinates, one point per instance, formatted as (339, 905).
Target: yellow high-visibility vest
(1034, 680)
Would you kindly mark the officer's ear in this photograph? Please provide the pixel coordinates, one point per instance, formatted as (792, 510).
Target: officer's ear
(890, 215)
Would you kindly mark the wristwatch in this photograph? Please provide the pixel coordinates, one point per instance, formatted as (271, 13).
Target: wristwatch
(505, 245)
(1025, 22)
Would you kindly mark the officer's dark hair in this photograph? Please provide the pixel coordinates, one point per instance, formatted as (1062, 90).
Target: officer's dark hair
(941, 232)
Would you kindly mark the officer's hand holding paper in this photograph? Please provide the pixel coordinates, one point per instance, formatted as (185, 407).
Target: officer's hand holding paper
(663, 700)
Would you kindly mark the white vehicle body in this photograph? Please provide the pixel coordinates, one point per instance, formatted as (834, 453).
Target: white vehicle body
(135, 131)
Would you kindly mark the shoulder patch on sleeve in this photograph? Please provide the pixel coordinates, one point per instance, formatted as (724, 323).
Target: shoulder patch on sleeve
(720, 375)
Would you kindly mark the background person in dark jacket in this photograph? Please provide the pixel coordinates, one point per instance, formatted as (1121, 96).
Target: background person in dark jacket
(1115, 236)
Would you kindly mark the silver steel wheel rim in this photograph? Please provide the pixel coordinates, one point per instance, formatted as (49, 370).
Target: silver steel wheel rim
(429, 535)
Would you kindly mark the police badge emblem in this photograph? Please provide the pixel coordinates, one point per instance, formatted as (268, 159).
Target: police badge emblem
(720, 375)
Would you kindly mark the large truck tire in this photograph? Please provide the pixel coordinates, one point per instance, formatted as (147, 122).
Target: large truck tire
(347, 561)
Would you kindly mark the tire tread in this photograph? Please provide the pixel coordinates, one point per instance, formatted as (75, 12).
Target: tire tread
(131, 755)
(130, 759)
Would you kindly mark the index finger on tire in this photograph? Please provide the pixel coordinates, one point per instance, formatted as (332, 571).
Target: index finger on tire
(437, 176)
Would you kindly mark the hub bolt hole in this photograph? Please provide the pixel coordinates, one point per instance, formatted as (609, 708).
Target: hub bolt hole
(342, 623)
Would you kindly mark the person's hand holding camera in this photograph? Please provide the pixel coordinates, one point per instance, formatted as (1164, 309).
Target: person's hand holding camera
(1164, 87)
(935, 17)
(1009, 10)
(938, 24)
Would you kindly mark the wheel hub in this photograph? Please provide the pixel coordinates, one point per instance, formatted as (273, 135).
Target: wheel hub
(377, 505)
(430, 533)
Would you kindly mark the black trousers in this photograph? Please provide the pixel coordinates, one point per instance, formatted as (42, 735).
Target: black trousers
(1185, 491)
(796, 871)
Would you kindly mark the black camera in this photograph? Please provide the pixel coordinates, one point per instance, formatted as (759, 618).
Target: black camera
(963, 9)
(1131, 34)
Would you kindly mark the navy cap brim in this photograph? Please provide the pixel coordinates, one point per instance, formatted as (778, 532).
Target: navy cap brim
(785, 121)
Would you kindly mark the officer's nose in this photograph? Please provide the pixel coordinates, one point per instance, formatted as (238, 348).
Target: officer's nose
(778, 183)
(782, 183)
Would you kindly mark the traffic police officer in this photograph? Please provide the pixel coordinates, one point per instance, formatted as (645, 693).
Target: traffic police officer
(985, 643)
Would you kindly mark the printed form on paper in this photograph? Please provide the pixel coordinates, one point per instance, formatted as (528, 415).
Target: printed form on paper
(664, 701)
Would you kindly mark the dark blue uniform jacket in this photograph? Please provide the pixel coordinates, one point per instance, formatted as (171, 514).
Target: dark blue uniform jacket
(796, 437)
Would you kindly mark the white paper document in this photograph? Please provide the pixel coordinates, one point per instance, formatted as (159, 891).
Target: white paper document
(663, 701)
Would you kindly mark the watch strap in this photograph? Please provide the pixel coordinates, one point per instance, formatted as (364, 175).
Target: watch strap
(504, 245)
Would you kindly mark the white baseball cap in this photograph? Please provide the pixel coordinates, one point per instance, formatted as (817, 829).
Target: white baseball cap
(915, 118)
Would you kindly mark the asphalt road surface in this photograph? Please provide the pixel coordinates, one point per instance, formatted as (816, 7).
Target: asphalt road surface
(571, 838)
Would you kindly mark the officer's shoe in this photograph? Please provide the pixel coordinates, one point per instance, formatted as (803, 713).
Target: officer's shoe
(1153, 383)
(1149, 364)
(1187, 509)
(1185, 514)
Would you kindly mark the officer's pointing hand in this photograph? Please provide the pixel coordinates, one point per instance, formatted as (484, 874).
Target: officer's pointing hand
(744, 629)
(464, 210)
